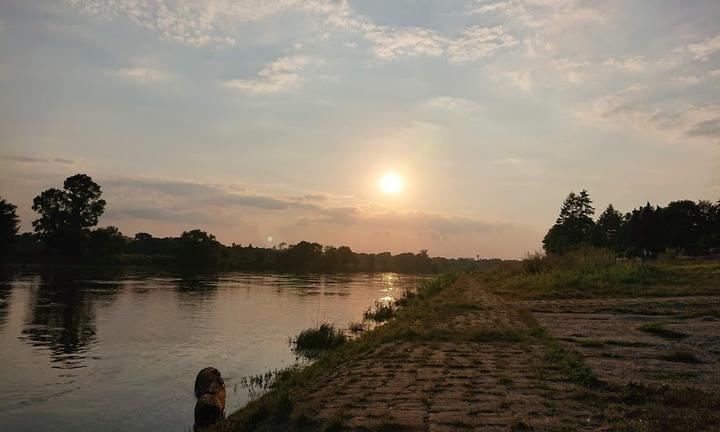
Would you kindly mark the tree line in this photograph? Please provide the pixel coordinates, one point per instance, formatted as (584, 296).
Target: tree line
(66, 231)
(681, 228)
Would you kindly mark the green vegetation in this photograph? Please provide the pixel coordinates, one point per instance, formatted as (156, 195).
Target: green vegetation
(313, 342)
(681, 356)
(356, 327)
(67, 214)
(425, 316)
(593, 343)
(9, 224)
(658, 330)
(65, 234)
(596, 273)
(664, 408)
(682, 228)
(672, 375)
(273, 407)
(380, 312)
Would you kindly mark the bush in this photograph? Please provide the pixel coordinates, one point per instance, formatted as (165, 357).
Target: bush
(312, 342)
(380, 312)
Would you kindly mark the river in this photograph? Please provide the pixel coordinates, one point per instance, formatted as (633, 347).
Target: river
(89, 351)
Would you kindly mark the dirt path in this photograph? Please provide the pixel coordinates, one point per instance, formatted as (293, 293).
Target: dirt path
(453, 385)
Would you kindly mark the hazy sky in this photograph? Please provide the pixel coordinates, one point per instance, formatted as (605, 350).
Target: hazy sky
(270, 121)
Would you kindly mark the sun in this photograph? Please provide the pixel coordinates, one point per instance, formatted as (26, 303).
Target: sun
(391, 183)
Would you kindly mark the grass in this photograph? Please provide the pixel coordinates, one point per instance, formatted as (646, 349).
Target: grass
(595, 343)
(270, 412)
(657, 329)
(681, 356)
(663, 408)
(425, 314)
(570, 362)
(380, 312)
(593, 273)
(312, 342)
(672, 375)
(356, 327)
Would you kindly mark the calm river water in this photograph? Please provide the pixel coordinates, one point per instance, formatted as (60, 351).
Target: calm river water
(119, 352)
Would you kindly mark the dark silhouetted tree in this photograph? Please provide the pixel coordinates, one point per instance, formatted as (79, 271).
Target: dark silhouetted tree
(573, 226)
(304, 256)
(67, 215)
(346, 257)
(198, 250)
(9, 224)
(709, 222)
(642, 231)
(607, 229)
(107, 242)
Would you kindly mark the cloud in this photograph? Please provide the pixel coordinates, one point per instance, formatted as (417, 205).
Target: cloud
(142, 75)
(189, 23)
(213, 22)
(519, 79)
(281, 75)
(477, 42)
(703, 50)
(449, 103)
(161, 214)
(186, 202)
(675, 123)
(434, 225)
(31, 159)
(686, 80)
(309, 197)
(391, 43)
(539, 13)
(572, 70)
(707, 128)
(630, 64)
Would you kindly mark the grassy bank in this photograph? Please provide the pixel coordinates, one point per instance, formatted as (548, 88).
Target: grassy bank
(414, 319)
(452, 311)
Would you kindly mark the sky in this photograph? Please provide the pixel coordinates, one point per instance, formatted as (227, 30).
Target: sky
(269, 121)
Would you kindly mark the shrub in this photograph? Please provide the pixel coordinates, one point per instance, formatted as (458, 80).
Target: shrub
(380, 312)
(314, 341)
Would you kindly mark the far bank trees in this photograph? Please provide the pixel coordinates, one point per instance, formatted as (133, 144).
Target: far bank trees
(9, 224)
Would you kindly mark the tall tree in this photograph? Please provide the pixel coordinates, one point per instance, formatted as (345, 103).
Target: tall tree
(107, 242)
(573, 226)
(607, 228)
(67, 215)
(9, 224)
(198, 250)
(642, 231)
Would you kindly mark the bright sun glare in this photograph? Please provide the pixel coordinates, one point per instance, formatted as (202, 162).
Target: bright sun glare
(391, 183)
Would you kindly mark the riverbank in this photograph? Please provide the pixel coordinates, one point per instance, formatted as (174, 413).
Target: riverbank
(583, 343)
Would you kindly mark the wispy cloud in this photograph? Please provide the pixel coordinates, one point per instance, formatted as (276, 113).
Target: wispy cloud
(454, 104)
(391, 43)
(519, 79)
(33, 160)
(703, 50)
(189, 23)
(477, 42)
(539, 13)
(142, 75)
(628, 108)
(214, 22)
(280, 75)
(179, 201)
(632, 64)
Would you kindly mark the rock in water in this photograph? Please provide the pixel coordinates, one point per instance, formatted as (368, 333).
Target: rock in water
(210, 394)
